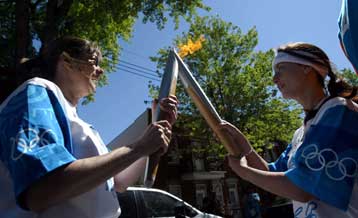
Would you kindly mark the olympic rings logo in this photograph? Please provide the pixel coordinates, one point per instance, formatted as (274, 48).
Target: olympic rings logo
(26, 146)
(311, 154)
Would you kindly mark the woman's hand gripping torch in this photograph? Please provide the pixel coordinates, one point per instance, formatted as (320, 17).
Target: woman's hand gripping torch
(167, 88)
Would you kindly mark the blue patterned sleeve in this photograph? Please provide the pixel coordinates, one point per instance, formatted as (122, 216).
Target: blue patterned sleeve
(35, 136)
(326, 164)
(348, 30)
(280, 165)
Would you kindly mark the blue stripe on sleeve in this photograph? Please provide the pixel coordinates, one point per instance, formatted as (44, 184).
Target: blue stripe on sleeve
(280, 165)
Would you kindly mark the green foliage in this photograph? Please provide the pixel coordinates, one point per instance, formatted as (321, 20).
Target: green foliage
(238, 81)
(350, 76)
(7, 33)
(102, 21)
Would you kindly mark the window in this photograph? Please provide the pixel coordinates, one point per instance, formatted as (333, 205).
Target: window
(199, 164)
(233, 197)
(159, 205)
(190, 212)
(175, 190)
(127, 204)
(218, 190)
(200, 194)
(185, 211)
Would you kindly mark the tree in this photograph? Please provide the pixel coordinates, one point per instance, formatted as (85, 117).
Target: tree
(238, 81)
(25, 23)
(350, 76)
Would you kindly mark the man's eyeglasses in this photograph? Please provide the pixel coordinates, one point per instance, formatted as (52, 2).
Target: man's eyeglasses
(91, 61)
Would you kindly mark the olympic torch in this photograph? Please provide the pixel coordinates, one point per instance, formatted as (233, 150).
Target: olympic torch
(167, 87)
(204, 105)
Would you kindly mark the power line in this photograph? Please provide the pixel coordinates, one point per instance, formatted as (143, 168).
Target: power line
(134, 53)
(139, 70)
(138, 74)
(129, 63)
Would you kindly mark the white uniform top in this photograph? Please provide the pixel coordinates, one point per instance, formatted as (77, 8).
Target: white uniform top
(100, 202)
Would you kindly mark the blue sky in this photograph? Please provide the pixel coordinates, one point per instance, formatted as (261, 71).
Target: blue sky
(277, 22)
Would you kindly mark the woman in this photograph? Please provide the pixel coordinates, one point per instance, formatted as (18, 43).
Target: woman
(318, 170)
(56, 163)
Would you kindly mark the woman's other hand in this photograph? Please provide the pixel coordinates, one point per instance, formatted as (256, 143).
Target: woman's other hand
(238, 165)
(237, 138)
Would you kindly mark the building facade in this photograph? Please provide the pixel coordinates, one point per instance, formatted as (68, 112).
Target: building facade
(205, 180)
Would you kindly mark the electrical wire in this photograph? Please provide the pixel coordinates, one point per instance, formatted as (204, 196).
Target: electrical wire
(137, 74)
(139, 70)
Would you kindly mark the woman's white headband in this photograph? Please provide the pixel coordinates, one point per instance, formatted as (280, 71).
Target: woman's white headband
(282, 56)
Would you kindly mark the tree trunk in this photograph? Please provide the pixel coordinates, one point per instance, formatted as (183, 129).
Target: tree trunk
(50, 30)
(22, 29)
(56, 12)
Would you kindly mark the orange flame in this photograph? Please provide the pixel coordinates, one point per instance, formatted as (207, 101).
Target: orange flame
(190, 47)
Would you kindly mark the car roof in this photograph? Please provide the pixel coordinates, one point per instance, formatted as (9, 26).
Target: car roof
(163, 192)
